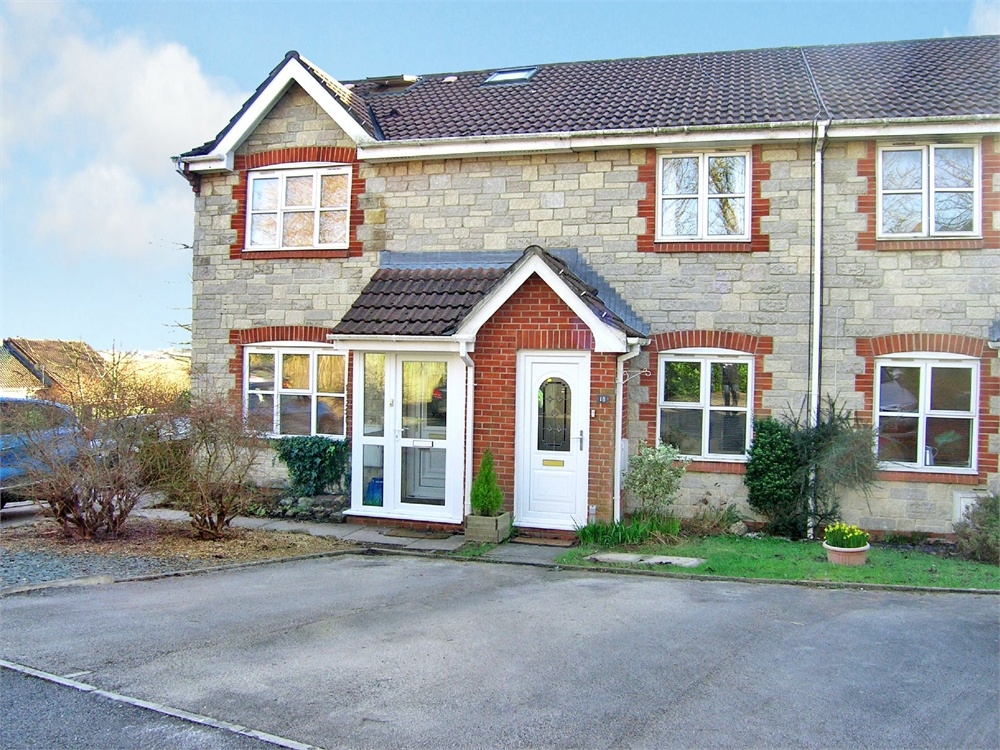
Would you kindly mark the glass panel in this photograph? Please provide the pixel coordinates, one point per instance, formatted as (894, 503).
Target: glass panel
(680, 176)
(260, 412)
(295, 417)
(423, 471)
(330, 373)
(899, 389)
(330, 415)
(954, 167)
(902, 170)
(727, 174)
(949, 442)
(260, 375)
(727, 432)
(299, 191)
(725, 216)
(264, 229)
(951, 389)
(374, 394)
(555, 402)
(953, 212)
(682, 381)
(333, 227)
(680, 217)
(681, 428)
(295, 371)
(297, 230)
(334, 190)
(372, 460)
(897, 439)
(902, 214)
(265, 194)
(729, 380)
(425, 396)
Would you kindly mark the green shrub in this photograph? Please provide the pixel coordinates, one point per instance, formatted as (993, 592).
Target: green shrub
(654, 477)
(795, 469)
(315, 463)
(979, 530)
(485, 496)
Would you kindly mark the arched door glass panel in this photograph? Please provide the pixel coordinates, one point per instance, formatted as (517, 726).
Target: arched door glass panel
(554, 402)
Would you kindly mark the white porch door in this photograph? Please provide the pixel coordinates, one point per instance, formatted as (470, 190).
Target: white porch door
(553, 440)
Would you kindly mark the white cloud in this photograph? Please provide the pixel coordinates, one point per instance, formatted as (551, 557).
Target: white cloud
(985, 17)
(92, 120)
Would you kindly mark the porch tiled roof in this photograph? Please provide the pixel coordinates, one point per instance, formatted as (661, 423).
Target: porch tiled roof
(417, 301)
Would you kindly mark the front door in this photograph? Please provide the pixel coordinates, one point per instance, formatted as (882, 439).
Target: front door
(553, 436)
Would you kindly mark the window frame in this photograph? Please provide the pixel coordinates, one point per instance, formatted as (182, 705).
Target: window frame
(927, 191)
(704, 197)
(282, 173)
(926, 362)
(706, 358)
(312, 390)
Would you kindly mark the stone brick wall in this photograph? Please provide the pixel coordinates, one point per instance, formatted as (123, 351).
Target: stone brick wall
(599, 202)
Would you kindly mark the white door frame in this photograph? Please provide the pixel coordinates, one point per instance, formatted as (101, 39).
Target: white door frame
(393, 440)
(533, 367)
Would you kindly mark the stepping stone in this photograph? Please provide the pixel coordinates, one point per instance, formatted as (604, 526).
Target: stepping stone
(626, 558)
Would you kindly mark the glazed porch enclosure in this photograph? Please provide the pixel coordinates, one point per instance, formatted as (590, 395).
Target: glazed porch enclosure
(448, 362)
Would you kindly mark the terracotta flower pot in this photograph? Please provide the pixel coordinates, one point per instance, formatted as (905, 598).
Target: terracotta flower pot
(846, 555)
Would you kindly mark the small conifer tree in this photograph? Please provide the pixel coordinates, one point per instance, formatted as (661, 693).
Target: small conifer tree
(486, 497)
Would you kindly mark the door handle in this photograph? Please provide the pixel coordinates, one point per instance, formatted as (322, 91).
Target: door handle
(581, 439)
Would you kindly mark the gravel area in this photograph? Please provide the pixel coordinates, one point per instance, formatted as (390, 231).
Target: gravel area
(39, 552)
(24, 567)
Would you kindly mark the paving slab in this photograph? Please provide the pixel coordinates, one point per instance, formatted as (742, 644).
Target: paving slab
(629, 558)
(531, 554)
(450, 544)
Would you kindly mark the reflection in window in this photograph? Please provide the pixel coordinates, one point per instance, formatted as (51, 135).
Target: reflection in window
(927, 413)
(927, 190)
(704, 404)
(554, 404)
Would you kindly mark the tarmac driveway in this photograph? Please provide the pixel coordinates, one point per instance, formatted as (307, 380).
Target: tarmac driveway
(393, 651)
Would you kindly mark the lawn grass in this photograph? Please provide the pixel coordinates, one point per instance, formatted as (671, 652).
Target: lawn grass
(785, 560)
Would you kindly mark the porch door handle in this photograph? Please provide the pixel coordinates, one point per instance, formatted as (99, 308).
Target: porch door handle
(581, 439)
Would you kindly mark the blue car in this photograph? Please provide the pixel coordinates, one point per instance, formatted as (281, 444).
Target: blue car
(30, 428)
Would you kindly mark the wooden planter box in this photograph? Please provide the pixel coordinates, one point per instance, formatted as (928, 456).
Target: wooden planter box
(492, 529)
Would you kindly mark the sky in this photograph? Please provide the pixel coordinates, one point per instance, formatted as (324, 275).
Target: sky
(95, 97)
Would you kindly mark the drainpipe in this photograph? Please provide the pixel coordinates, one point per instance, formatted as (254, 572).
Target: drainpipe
(470, 391)
(634, 350)
(816, 329)
(815, 355)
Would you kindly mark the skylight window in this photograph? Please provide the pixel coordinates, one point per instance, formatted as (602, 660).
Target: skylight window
(512, 75)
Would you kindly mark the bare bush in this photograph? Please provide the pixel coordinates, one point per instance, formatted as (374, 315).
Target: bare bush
(209, 472)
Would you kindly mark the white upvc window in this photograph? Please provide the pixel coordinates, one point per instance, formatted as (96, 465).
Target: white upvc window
(705, 403)
(294, 390)
(295, 209)
(703, 196)
(927, 407)
(928, 191)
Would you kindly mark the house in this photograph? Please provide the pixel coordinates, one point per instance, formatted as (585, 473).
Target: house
(49, 369)
(558, 261)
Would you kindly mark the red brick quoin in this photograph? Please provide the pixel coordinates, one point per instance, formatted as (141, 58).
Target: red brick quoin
(989, 386)
(300, 155)
(759, 242)
(759, 346)
(535, 318)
